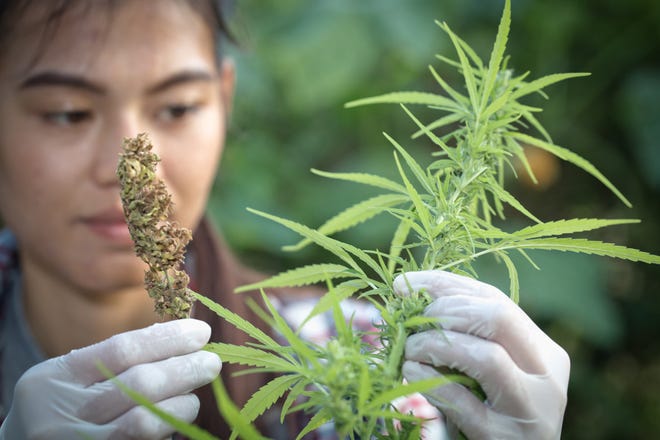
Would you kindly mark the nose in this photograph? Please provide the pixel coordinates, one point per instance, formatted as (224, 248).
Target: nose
(108, 146)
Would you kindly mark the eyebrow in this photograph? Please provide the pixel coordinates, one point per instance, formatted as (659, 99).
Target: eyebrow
(183, 77)
(53, 78)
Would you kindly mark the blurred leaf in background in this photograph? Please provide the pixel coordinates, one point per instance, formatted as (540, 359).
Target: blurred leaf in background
(300, 60)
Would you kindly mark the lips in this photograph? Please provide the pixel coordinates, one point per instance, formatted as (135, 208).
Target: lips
(109, 225)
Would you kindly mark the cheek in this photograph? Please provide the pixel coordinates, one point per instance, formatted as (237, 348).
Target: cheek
(33, 162)
(32, 184)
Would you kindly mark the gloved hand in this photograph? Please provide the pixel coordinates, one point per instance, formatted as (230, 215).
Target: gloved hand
(67, 397)
(489, 338)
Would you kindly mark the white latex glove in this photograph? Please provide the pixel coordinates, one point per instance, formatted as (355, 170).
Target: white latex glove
(67, 397)
(488, 337)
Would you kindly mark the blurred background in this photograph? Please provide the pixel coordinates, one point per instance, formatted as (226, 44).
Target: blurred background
(299, 61)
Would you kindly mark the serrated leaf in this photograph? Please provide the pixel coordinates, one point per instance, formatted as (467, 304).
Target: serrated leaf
(322, 417)
(529, 117)
(443, 165)
(506, 121)
(338, 248)
(419, 321)
(304, 352)
(396, 246)
(294, 394)
(438, 123)
(333, 296)
(519, 152)
(321, 240)
(406, 98)
(488, 232)
(508, 198)
(516, 81)
(528, 258)
(409, 217)
(389, 414)
(562, 227)
(402, 390)
(436, 140)
(244, 355)
(514, 283)
(267, 395)
(496, 106)
(232, 415)
(416, 169)
(301, 276)
(364, 387)
(587, 247)
(470, 53)
(361, 212)
(447, 60)
(354, 215)
(366, 179)
(420, 208)
(468, 73)
(396, 348)
(573, 158)
(496, 57)
(383, 266)
(540, 83)
(237, 321)
(456, 96)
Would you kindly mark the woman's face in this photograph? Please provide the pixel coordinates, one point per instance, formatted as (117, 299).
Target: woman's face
(66, 103)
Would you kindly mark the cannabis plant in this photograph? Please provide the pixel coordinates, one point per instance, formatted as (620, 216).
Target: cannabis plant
(445, 207)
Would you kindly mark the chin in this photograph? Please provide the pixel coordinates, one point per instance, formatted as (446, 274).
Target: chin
(109, 286)
(109, 278)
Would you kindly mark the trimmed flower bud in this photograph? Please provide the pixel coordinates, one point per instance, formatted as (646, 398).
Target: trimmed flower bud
(158, 242)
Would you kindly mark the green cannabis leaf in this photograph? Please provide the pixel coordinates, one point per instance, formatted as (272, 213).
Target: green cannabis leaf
(445, 210)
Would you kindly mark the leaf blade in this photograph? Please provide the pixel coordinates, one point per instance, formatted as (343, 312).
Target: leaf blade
(411, 97)
(540, 83)
(497, 54)
(570, 226)
(267, 395)
(236, 320)
(301, 276)
(354, 215)
(573, 158)
(254, 357)
(365, 179)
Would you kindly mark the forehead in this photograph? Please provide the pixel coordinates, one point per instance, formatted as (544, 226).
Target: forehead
(105, 37)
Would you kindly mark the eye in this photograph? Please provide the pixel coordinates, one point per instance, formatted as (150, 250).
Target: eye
(66, 118)
(176, 111)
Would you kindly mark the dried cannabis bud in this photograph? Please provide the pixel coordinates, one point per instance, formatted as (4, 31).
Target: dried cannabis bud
(159, 242)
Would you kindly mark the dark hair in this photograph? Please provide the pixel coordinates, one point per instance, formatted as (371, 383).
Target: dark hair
(214, 13)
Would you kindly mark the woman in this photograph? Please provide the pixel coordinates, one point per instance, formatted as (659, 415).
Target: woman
(76, 77)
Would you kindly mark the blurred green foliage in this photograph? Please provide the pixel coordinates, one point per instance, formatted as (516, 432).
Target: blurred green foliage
(300, 60)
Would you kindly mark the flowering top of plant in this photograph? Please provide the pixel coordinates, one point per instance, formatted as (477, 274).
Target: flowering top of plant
(160, 243)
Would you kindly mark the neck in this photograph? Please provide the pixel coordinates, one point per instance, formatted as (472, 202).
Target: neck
(68, 318)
